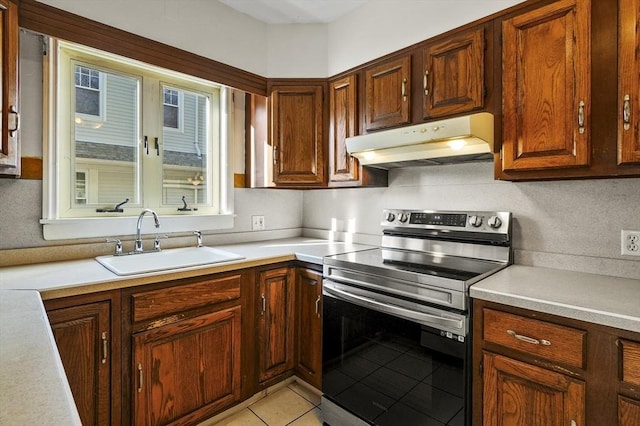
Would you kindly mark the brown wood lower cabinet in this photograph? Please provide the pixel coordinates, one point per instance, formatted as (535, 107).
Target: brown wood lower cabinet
(89, 347)
(276, 321)
(308, 359)
(517, 393)
(532, 368)
(188, 369)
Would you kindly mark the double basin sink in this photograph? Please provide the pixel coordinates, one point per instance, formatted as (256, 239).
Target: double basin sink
(165, 259)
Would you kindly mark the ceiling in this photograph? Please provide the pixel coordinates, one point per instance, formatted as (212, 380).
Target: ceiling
(294, 11)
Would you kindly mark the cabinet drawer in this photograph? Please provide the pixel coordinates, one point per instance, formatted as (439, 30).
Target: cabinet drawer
(630, 362)
(166, 301)
(546, 340)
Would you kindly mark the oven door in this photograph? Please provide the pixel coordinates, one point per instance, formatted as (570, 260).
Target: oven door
(383, 366)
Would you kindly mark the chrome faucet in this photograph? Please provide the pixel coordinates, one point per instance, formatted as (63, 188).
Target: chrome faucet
(138, 245)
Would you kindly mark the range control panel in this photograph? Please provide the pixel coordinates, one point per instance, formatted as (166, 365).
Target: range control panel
(471, 221)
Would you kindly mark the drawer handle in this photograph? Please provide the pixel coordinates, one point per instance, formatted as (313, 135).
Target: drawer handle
(528, 339)
(264, 304)
(425, 82)
(404, 90)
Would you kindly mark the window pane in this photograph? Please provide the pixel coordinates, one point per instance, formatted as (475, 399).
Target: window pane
(107, 149)
(171, 116)
(184, 167)
(87, 101)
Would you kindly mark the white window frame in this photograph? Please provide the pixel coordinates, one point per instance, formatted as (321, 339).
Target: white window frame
(57, 227)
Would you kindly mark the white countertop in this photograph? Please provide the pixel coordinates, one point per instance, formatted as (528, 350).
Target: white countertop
(34, 387)
(600, 299)
(59, 279)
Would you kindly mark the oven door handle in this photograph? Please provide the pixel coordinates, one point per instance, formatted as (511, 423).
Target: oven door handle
(423, 318)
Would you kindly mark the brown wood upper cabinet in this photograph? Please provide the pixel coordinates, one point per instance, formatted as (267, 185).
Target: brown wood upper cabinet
(10, 123)
(297, 134)
(453, 75)
(388, 93)
(345, 170)
(546, 87)
(343, 123)
(629, 82)
(565, 115)
(89, 348)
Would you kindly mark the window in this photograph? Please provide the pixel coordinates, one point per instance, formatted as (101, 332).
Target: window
(125, 130)
(88, 91)
(171, 108)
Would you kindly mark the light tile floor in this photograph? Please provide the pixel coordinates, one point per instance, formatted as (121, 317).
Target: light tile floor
(293, 405)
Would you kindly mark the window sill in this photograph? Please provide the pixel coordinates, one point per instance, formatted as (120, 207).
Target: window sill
(66, 229)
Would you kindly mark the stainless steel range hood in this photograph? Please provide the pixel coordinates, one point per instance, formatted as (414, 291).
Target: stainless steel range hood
(454, 140)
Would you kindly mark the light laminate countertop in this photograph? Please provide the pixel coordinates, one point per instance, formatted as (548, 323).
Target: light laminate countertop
(600, 299)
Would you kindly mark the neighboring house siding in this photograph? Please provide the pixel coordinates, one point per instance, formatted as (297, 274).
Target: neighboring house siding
(119, 126)
(193, 128)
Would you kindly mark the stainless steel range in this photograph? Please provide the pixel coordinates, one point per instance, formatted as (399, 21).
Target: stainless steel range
(396, 320)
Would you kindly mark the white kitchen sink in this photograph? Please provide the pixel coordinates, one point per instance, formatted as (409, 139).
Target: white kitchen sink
(165, 259)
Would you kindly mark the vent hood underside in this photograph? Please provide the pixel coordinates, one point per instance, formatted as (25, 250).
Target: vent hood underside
(454, 140)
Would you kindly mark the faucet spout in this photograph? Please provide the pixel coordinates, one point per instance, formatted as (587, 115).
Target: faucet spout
(138, 244)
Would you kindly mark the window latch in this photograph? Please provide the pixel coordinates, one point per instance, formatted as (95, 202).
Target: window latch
(184, 208)
(116, 209)
(146, 144)
(157, 147)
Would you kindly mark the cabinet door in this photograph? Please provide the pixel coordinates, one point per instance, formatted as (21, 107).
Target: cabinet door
(342, 124)
(516, 393)
(84, 337)
(297, 134)
(387, 87)
(9, 146)
(187, 370)
(629, 82)
(309, 326)
(628, 411)
(276, 335)
(453, 75)
(546, 87)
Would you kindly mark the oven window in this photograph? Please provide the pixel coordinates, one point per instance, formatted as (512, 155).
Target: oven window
(375, 367)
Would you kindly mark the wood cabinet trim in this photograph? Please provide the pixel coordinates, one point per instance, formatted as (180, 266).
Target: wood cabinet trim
(10, 164)
(630, 363)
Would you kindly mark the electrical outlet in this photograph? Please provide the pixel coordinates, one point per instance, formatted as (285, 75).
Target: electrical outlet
(257, 223)
(630, 243)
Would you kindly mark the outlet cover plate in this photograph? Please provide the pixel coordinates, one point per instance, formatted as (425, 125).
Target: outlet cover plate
(257, 223)
(630, 243)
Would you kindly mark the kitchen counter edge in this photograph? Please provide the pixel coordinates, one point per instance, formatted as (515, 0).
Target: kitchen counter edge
(599, 299)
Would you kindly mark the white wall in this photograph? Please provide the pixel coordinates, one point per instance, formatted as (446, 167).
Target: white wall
(562, 224)
(205, 27)
(214, 30)
(380, 27)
